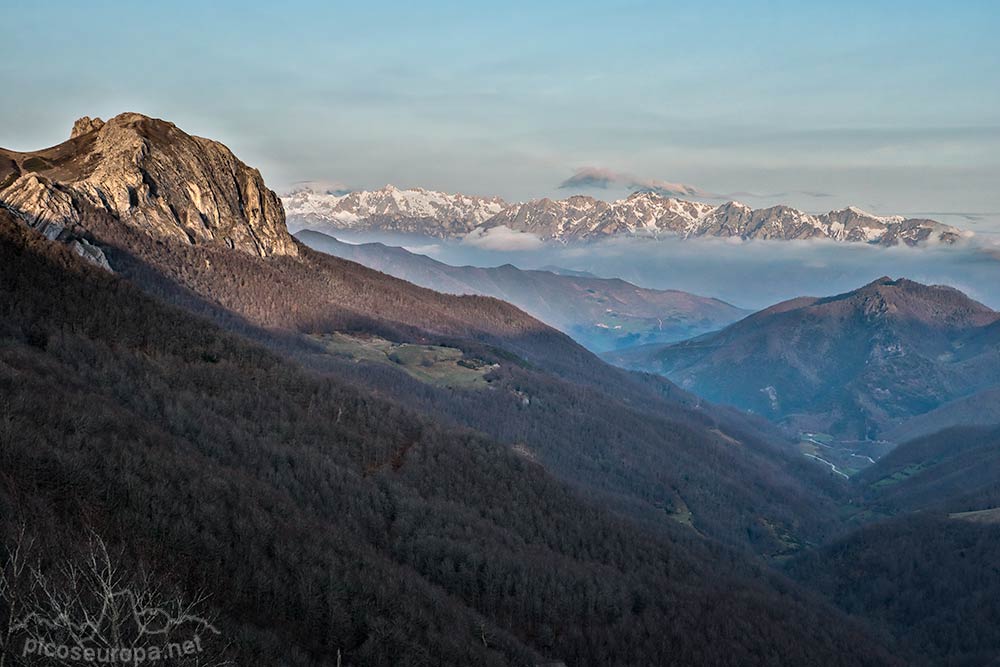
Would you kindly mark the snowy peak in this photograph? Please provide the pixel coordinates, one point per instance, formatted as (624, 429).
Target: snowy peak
(390, 209)
(642, 213)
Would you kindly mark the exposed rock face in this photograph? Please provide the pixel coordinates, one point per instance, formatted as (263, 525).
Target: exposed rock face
(50, 211)
(85, 125)
(41, 204)
(90, 252)
(581, 217)
(149, 174)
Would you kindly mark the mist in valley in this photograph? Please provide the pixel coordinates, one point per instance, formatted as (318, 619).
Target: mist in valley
(749, 274)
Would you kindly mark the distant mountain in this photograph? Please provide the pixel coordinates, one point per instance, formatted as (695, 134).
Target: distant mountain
(391, 210)
(580, 217)
(852, 365)
(603, 314)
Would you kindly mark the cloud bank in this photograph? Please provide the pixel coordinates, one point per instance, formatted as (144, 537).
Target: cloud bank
(596, 177)
(754, 274)
(591, 178)
(501, 238)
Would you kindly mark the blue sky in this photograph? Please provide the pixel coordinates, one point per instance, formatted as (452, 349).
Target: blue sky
(892, 106)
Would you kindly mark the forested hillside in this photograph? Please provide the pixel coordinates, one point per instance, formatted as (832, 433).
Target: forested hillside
(344, 466)
(928, 584)
(954, 470)
(321, 518)
(646, 448)
(649, 449)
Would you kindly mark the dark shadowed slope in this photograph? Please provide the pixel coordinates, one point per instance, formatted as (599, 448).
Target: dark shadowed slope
(954, 470)
(853, 365)
(979, 409)
(930, 584)
(926, 574)
(320, 518)
(602, 314)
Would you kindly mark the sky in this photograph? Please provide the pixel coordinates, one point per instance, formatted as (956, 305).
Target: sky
(890, 106)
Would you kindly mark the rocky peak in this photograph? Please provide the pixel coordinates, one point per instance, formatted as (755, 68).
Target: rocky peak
(884, 280)
(911, 302)
(85, 125)
(150, 174)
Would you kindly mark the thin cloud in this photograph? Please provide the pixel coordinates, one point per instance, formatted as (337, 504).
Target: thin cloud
(502, 238)
(598, 178)
(335, 188)
(591, 178)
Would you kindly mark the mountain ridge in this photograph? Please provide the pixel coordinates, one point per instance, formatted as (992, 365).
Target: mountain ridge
(602, 313)
(858, 363)
(580, 217)
(555, 508)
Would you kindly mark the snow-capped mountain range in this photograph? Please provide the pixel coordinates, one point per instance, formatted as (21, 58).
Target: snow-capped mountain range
(441, 215)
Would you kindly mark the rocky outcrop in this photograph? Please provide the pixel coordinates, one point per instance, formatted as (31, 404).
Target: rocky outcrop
(149, 174)
(41, 204)
(85, 125)
(50, 211)
(90, 252)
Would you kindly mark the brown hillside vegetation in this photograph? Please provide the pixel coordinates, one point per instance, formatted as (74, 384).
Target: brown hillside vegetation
(376, 532)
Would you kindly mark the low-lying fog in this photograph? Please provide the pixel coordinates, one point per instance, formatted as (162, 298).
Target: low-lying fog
(751, 274)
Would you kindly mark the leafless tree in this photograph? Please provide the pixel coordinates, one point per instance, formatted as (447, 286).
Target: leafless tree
(16, 586)
(95, 603)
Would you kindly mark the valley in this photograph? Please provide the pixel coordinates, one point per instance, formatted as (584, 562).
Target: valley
(601, 314)
(845, 457)
(450, 334)
(445, 476)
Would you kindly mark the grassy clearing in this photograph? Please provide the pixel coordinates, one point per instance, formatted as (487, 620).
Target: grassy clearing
(789, 544)
(433, 364)
(991, 515)
(901, 475)
(681, 512)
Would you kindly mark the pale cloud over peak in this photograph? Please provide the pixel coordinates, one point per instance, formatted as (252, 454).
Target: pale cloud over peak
(325, 187)
(590, 178)
(599, 178)
(502, 238)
